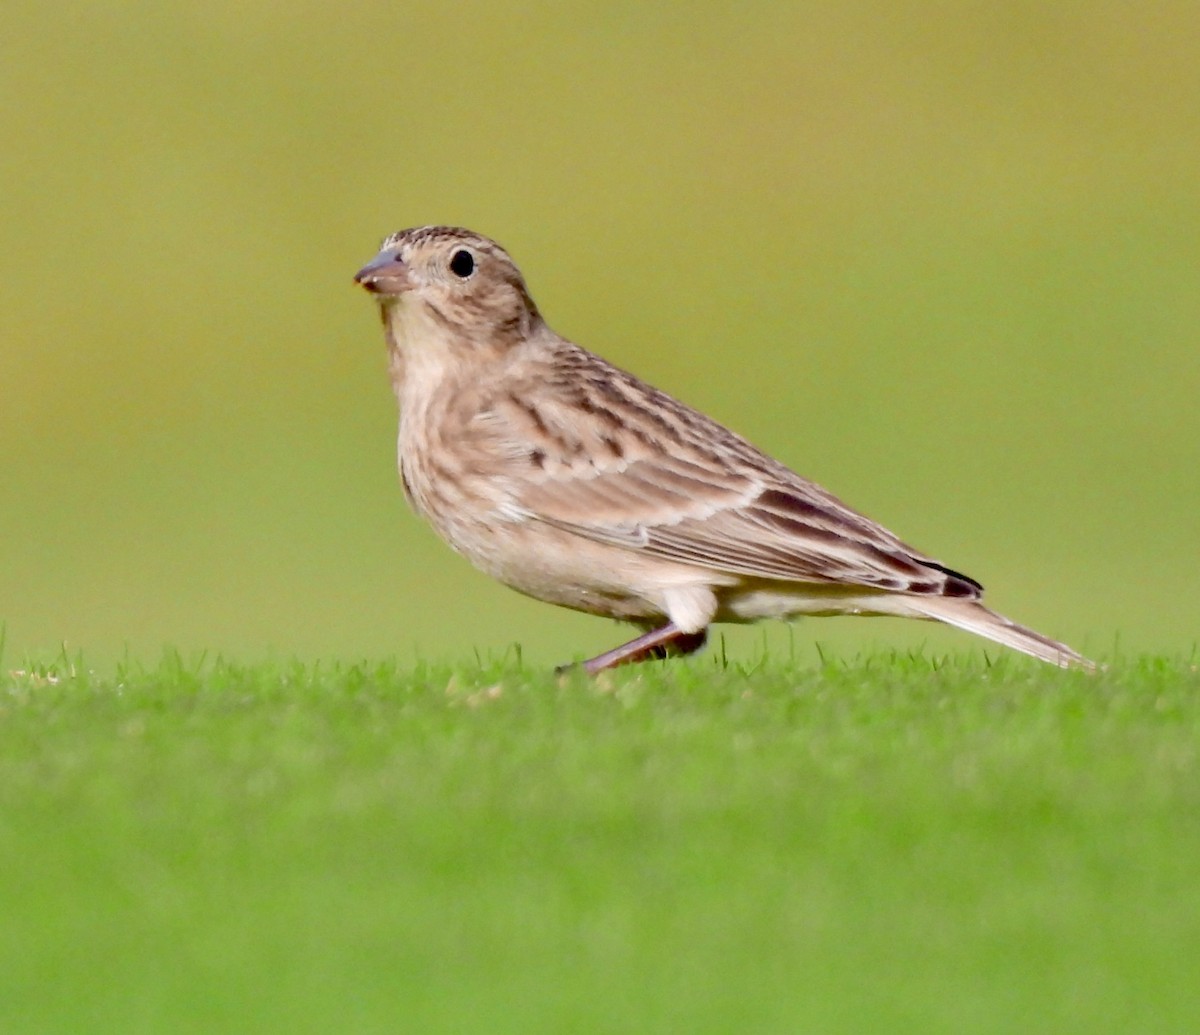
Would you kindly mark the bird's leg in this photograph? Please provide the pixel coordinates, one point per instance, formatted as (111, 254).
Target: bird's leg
(657, 643)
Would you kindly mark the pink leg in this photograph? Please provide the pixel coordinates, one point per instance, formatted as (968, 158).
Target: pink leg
(657, 643)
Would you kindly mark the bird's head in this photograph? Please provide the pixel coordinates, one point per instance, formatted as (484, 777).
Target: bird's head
(450, 285)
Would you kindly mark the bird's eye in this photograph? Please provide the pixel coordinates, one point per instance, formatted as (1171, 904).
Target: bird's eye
(462, 263)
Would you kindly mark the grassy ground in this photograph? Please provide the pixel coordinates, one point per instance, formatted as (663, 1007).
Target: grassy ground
(893, 845)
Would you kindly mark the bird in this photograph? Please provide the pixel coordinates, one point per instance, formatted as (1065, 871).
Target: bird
(574, 482)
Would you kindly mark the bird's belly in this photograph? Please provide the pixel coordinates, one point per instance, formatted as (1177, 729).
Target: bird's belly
(543, 563)
(558, 567)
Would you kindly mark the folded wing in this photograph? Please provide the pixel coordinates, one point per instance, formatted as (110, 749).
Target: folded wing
(677, 485)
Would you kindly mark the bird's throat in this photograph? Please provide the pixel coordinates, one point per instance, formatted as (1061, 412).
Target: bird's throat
(423, 353)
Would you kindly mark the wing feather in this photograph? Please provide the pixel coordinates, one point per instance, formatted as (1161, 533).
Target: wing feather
(587, 459)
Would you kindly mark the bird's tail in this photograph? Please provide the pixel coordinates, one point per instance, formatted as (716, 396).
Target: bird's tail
(974, 617)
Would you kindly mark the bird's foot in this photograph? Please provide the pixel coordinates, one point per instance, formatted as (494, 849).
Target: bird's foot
(656, 644)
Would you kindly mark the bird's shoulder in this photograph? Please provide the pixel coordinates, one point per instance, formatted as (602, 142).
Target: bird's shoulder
(576, 413)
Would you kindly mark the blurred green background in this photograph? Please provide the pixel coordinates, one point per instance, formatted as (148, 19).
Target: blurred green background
(943, 258)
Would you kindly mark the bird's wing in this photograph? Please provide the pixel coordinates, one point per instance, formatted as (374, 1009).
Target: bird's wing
(768, 531)
(629, 466)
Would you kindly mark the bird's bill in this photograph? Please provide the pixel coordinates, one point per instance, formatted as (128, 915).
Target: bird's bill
(385, 274)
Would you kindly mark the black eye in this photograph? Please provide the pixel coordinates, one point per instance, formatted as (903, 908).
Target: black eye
(462, 263)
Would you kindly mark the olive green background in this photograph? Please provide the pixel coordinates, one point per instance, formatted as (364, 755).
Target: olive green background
(944, 258)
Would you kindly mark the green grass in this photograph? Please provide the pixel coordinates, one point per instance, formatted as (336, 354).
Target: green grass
(890, 845)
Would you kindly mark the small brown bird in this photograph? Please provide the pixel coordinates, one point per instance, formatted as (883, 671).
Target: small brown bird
(576, 483)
